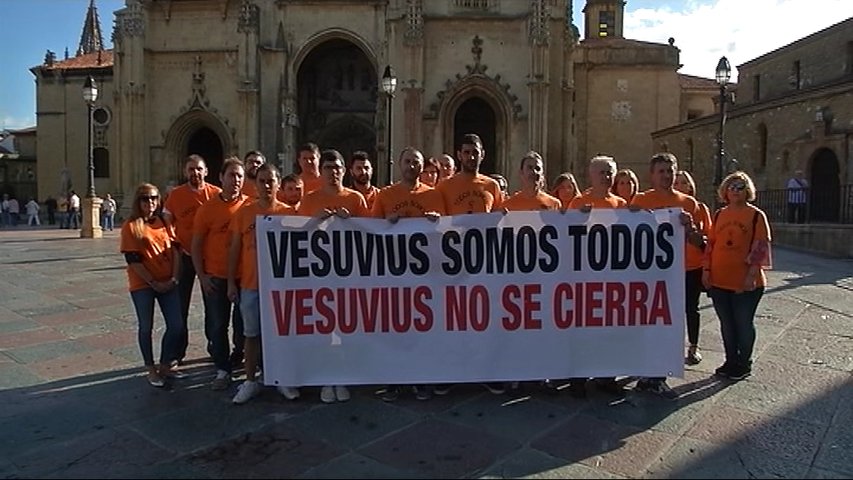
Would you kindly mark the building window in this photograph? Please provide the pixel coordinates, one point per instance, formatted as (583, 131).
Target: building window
(795, 75)
(484, 5)
(102, 162)
(756, 87)
(762, 147)
(606, 23)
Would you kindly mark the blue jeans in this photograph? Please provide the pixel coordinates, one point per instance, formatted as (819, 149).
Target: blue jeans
(217, 315)
(170, 307)
(185, 289)
(736, 312)
(107, 221)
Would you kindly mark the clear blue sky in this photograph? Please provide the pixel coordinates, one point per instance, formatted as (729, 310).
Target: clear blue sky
(703, 29)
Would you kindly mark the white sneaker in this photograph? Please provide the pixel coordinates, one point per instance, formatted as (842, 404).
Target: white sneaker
(246, 392)
(290, 393)
(327, 395)
(341, 393)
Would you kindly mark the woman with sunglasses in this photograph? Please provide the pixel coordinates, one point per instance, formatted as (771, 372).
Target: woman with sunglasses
(733, 271)
(153, 267)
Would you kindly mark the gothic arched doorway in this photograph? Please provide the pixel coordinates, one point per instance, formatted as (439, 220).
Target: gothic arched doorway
(825, 187)
(337, 94)
(206, 143)
(475, 115)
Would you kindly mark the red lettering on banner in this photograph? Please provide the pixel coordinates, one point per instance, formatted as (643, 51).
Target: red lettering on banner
(462, 307)
(514, 322)
(327, 324)
(530, 306)
(302, 311)
(423, 324)
(521, 315)
(282, 316)
(479, 317)
(597, 304)
(660, 305)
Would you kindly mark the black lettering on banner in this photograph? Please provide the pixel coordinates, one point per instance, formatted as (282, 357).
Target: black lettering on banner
(526, 243)
(644, 246)
(278, 252)
(598, 253)
(298, 252)
(342, 252)
(500, 249)
(420, 259)
(319, 245)
(576, 233)
(364, 246)
(397, 260)
(473, 246)
(620, 246)
(664, 236)
(546, 233)
(453, 265)
(380, 255)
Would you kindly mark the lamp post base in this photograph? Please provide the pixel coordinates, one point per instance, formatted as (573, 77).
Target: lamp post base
(91, 212)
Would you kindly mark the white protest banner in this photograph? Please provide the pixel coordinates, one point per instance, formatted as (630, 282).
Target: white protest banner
(488, 297)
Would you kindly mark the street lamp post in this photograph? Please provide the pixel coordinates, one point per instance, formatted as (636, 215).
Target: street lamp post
(389, 85)
(91, 227)
(723, 74)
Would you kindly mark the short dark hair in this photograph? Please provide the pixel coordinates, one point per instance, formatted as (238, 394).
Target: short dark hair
(358, 156)
(291, 177)
(432, 162)
(663, 157)
(471, 139)
(308, 147)
(255, 153)
(330, 155)
(229, 162)
(268, 167)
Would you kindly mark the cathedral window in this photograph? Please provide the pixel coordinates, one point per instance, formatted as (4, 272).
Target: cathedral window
(606, 23)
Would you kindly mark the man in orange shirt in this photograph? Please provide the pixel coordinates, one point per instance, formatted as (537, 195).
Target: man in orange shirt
(361, 171)
(308, 167)
(252, 161)
(532, 196)
(243, 287)
(601, 171)
(448, 167)
(210, 258)
(333, 199)
(179, 211)
(291, 190)
(409, 197)
(469, 191)
(662, 168)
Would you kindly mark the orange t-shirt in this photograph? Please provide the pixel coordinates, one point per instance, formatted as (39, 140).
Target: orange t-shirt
(464, 194)
(244, 224)
(519, 202)
(347, 198)
(309, 184)
(653, 199)
(369, 196)
(250, 189)
(182, 203)
(212, 222)
(730, 245)
(155, 248)
(407, 203)
(610, 201)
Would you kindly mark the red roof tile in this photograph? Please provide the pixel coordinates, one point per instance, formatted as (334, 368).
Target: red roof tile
(87, 60)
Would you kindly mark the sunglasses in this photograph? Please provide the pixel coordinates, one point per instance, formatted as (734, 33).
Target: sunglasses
(146, 198)
(737, 187)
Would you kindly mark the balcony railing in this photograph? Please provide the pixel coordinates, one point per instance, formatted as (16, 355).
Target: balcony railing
(823, 205)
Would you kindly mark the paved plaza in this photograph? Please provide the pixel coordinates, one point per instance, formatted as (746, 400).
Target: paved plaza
(74, 401)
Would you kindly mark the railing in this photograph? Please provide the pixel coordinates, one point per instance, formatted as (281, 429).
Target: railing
(822, 205)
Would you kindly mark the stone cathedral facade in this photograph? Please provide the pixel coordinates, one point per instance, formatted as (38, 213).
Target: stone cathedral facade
(222, 77)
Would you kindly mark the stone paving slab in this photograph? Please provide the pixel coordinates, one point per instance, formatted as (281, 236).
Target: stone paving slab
(76, 404)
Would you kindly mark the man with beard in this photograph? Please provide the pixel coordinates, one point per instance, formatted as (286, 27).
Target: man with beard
(361, 171)
(179, 211)
(291, 190)
(211, 238)
(469, 191)
(532, 196)
(252, 161)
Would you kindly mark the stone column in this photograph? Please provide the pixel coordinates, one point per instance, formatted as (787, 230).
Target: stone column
(91, 212)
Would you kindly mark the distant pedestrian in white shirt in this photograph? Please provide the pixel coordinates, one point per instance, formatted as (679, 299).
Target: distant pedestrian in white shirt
(33, 212)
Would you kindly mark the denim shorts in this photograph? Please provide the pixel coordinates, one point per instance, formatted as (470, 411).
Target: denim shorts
(250, 308)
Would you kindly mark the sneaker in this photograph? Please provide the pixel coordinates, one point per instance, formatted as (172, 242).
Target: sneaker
(442, 389)
(724, 370)
(290, 393)
(155, 380)
(222, 380)
(662, 389)
(246, 392)
(390, 394)
(609, 385)
(738, 374)
(341, 393)
(423, 392)
(327, 395)
(495, 388)
(693, 357)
